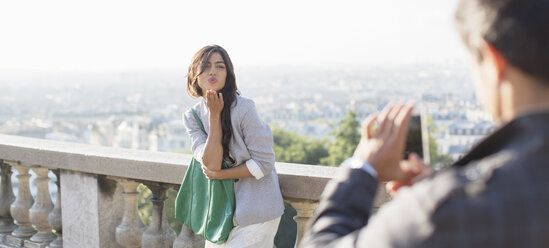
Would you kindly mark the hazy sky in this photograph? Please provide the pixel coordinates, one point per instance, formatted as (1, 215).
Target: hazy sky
(130, 34)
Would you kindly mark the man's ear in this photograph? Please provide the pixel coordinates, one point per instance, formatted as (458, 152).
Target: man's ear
(495, 59)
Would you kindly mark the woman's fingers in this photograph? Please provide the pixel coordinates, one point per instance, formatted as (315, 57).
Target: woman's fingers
(209, 98)
(214, 96)
(220, 99)
(214, 100)
(206, 171)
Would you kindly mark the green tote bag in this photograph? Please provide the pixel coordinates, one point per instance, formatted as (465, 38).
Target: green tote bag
(206, 206)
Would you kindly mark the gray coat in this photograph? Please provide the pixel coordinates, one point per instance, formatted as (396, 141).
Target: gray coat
(497, 195)
(258, 198)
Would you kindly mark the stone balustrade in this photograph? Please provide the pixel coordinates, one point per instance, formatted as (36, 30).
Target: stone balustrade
(96, 203)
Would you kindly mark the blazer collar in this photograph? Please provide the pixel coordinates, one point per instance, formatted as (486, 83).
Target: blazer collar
(520, 129)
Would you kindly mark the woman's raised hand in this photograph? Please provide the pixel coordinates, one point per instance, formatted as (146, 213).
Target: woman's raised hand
(214, 101)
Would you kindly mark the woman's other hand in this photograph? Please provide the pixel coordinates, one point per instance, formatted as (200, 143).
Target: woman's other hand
(210, 174)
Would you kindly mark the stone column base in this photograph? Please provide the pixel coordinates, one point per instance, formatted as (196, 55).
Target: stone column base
(57, 243)
(31, 244)
(2, 239)
(7, 246)
(6, 226)
(12, 241)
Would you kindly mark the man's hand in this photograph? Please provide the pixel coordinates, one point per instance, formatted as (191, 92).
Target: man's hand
(415, 170)
(383, 148)
(214, 101)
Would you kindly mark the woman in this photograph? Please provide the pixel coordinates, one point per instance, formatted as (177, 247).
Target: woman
(236, 135)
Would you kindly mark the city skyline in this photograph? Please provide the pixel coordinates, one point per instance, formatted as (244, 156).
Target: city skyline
(143, 110)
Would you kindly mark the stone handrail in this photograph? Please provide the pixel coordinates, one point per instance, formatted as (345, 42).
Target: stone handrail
(98, 187)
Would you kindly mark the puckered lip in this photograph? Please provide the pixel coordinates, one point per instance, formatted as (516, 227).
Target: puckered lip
(212, 80)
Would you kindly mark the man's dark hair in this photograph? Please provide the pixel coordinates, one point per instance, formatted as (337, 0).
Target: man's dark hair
(518, 29)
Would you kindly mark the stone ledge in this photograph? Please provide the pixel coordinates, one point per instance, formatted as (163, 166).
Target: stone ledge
(296, 180)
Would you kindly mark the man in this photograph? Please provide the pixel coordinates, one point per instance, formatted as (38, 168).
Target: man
(497, 195)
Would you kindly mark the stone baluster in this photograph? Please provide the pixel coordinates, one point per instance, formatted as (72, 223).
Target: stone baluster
(305, 209)
(20, 207)
(130, 230)
(187, 239)
(55, 215)
(6, 199)
(158, 234)
(40, 210)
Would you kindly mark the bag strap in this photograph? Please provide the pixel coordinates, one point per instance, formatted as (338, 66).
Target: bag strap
(199, 121)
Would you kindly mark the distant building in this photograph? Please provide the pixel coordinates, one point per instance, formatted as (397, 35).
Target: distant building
(171, 136)
(100, 133)
(462, 135)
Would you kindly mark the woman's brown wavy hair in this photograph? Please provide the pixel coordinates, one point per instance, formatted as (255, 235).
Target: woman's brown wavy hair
(229, 91)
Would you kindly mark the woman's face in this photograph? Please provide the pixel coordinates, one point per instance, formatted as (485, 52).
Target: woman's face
(214, 75)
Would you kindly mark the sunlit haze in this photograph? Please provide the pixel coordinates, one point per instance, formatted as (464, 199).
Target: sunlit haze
(114, 35)
(112, 72)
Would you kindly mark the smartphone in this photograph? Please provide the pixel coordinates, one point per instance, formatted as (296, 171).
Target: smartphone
(417, 140)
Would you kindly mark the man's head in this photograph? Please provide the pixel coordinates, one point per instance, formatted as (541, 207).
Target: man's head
(503, 36)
